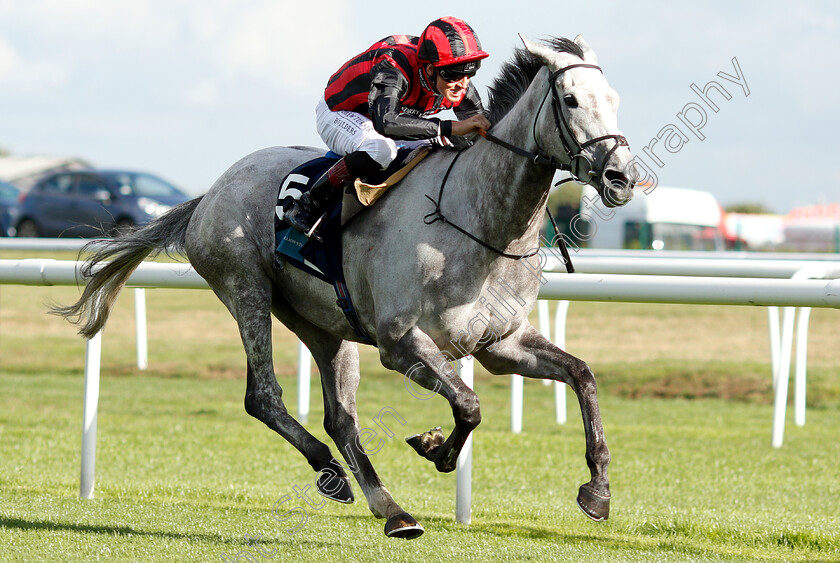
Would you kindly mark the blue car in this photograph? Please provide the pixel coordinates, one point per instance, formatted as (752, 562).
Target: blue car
(9, 195)
(94, 203)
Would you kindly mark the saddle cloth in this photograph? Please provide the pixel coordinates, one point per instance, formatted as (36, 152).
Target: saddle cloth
(324, 261)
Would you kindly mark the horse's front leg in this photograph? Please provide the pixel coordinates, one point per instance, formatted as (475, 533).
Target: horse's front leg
(415, 355)
(528, 353)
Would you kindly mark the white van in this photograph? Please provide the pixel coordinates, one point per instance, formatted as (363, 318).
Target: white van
(664, 219)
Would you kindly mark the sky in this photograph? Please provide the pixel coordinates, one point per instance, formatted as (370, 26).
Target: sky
(184, 88)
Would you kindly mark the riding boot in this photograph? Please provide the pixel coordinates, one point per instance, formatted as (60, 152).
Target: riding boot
(306, 211)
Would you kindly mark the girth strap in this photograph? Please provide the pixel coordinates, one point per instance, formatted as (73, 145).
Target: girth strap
(346, 305)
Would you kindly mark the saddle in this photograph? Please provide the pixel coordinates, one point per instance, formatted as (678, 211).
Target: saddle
(324, 261)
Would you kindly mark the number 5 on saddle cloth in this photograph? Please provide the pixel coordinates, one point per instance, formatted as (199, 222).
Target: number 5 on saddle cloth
(324, 260)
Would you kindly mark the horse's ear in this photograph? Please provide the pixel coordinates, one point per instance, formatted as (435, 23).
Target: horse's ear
(542, 52)
(588, 53)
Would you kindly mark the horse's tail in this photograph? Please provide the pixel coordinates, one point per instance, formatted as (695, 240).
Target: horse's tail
(123, 254)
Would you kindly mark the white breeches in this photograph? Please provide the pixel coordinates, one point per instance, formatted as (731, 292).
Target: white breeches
(347, 131)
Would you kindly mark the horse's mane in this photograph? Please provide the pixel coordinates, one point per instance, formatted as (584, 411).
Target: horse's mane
(516, 76)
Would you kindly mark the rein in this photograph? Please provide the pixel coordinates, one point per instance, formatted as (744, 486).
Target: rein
(437, 215)
(533, 157)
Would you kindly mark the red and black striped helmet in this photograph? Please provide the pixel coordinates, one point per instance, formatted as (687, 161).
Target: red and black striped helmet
(449, 41)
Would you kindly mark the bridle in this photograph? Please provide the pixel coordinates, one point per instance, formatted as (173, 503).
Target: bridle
(574, 149)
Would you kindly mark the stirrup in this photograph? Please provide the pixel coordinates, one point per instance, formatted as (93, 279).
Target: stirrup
(312, 234)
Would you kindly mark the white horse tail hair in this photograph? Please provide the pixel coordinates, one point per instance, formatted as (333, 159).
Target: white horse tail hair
(112, 261)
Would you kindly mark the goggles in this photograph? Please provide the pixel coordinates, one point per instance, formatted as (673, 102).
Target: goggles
(454, 73)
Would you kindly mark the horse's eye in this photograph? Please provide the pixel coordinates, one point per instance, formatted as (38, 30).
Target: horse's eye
(570, 101)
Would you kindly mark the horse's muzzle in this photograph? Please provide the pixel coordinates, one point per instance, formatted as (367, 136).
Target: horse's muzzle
(617, 188)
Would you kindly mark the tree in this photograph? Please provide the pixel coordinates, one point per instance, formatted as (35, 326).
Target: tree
(752, 208)
(566, 195)
(564, 203)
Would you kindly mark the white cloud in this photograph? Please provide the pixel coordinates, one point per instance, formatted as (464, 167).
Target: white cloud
(21, 76)
(55, 40)
(289, 45)
(203, 94)
(202, 51)
(231, 75)
(815, 20)
(9, 59)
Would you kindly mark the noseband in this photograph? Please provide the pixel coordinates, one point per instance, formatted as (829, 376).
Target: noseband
(574, 149)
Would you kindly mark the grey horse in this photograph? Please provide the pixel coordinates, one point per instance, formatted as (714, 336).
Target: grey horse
(441, 267)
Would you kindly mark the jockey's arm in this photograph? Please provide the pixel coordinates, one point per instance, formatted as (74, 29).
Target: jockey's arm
(388, 119)
(389, 86)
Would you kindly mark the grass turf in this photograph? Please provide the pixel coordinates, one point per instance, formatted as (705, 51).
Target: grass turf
(183, 473)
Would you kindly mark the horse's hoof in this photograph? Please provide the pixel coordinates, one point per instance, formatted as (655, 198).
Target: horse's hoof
(425, 443)
(403, 526)
(335, 487)
(592, 504)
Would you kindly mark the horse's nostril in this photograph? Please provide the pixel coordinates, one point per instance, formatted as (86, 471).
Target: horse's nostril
(617, 179)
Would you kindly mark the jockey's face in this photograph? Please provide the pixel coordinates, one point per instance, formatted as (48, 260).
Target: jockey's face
(453, 91)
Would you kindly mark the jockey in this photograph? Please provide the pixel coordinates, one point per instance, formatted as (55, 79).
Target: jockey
(387, 93)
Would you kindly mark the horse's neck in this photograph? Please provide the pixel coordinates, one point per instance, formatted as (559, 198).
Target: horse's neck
(503, 193)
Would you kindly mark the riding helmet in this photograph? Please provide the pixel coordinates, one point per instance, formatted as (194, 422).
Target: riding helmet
(451, 41)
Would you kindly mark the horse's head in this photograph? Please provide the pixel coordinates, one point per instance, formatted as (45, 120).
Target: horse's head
(577, 122)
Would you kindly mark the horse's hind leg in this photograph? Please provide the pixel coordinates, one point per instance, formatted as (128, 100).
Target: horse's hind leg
(528, 353)
(338, 363)
(250, 304)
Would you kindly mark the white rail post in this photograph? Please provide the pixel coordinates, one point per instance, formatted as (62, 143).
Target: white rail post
(304, 381)
(463, 472)
(775, 341)
(517, 382)
(785, 353)
(800, 384)
(140, 323)
(801, 366)
(93, 361)
(780, 403)
(560, 342)
(516, 392)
